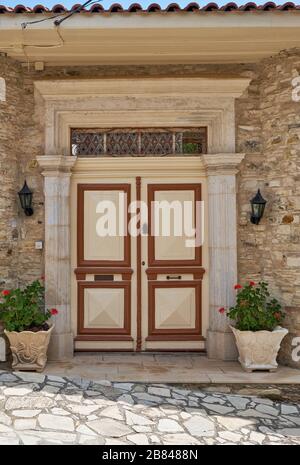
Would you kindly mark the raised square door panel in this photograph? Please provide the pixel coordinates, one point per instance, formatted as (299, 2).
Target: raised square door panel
(174, 310)
(104, 308)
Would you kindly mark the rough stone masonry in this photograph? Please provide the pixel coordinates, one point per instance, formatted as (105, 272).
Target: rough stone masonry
(267, 130)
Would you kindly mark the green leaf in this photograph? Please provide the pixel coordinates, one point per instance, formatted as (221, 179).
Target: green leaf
(255, 310)
(24, 308)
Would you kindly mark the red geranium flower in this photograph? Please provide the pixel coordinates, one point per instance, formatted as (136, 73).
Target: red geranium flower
(277, 315)
(251, 283)
(238, 286)
(5, 292)
(43, 278)
(53, 311)
(222, 310)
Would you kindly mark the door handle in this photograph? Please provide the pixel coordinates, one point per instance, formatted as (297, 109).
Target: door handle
(174, 277)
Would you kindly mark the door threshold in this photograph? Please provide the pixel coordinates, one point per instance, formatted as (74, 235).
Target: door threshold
(148, 352)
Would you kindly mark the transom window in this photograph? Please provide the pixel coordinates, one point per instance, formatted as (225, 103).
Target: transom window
(138, 142)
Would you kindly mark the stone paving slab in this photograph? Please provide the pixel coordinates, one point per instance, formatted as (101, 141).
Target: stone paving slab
(51, 409)
(166, 368)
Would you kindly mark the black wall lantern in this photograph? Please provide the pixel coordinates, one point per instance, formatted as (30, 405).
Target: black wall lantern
(258, 204)
(25, 196)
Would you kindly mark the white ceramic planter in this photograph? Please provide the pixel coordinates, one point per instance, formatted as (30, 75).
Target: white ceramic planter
(258, 350)
(29, 349)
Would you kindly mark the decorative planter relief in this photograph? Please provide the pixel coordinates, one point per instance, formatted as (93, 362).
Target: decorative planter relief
(258, 350)
(29, 349)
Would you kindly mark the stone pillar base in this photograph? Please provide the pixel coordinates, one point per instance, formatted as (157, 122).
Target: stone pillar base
(61, 347)
(221, 345)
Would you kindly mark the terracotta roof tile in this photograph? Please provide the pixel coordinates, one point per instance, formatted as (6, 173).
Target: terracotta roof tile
(115, 8)
(229, 7)
(39, 9)
(152, 8)
(96, 8)
(248, 6)
(58, 9)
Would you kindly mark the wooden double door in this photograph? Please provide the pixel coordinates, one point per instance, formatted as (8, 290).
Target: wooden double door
(138, 274)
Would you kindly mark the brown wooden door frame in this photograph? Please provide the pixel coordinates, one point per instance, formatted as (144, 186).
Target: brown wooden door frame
(173, 267)
(100, 268)
(155, 267)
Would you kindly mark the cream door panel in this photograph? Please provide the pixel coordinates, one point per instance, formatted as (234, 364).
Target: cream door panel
(170, 243)
(103, 308)
(175, 309)
(175, 346)
(97, 247)
(105, 346)
(90, 277)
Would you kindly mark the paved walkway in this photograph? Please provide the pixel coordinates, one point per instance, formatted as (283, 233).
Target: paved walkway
(39, 409)
(165, 368)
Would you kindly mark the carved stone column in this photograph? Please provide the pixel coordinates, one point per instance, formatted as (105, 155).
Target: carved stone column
(221, 172)
(57, 173)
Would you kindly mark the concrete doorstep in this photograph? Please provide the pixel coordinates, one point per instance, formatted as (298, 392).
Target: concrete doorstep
(166, 368)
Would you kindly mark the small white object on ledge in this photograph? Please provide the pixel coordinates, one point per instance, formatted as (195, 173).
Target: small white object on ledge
(2, 349)
(2, 90)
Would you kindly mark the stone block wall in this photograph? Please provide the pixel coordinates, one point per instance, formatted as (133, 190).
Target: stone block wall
(9, 135)
(20, 141)
(268, 131)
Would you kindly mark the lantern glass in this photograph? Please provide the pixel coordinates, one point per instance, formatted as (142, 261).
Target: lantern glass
(258, 204)
(257, 209)
(26, 200)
